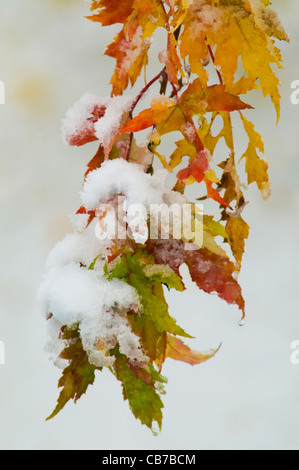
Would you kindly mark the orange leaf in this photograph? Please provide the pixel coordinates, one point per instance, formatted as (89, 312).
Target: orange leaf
(220, 100)
(179, 351)
(213, 194)
(171, 60)
(96, 161)
(112, 11)
(196, 167)
(151, 116)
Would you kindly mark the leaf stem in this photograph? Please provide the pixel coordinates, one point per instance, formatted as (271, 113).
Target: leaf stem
(134, 104)
(213, 60)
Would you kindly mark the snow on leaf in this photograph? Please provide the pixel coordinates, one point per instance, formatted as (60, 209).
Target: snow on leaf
(234, 31)
(130, 48)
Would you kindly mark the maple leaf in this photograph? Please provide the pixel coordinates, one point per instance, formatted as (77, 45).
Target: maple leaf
(196, 168)
(168, 114)
(144, 401)
(255, 167)
(111, 11)
(238, 231)
(179, 351)
(198, 99)
(78, 375)
(171, 60)
(86, 132)
(236, 32)
(238, 38)
(210, 271)
(130, 48)
(213, 194)
(96, 161)
(148, 286)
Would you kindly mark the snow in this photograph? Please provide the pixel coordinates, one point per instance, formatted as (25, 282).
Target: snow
(70, 294)
(77, 296)
(77, 117)
(118, 177)
(77, 248)
(207, 15)
(100, 118)
(106, 128)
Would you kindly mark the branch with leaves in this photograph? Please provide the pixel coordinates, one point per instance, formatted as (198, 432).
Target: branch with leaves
(104, 297)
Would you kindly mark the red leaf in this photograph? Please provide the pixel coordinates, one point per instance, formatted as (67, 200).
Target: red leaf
(213, 194)
(91, 214)
(86, 132)
(196, 168)
(211, 272)
(96, 161)
(214, 273)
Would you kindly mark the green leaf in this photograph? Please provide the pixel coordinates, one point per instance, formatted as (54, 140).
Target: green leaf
(144, 401)
(165, 275)
(92, 265)
(155, 306)
(147, 280)
(78, 375)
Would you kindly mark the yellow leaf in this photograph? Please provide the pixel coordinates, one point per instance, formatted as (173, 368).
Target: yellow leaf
(255, 167)
(238, 232)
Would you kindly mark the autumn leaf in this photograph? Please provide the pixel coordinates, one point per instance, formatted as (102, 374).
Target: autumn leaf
(162, 109)
(179, 351)
(213, 194)
(210, 271)
(140, 19)
(214, 273)
(111, 11)
(96, 161)
(255, 167)
(194, 101)
(238, 231)
(235, 43)
(171, 60)
(235, 31)
(86, 132)
(196, 168)
(148, 286)
(198, 99)
(78, 375)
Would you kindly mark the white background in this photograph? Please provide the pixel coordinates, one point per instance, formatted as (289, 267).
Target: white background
(247, 397)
